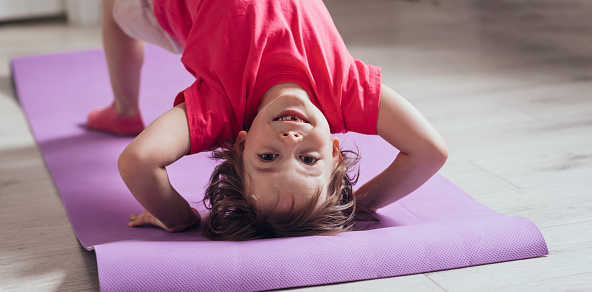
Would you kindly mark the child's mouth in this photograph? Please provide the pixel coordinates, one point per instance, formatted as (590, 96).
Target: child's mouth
(291, 116)
(291, 119)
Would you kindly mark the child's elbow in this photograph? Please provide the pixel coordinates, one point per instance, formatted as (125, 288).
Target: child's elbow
(128, 163)
(438, 153)
(124, 164)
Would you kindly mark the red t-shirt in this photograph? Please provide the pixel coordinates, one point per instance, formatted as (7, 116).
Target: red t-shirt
(238, 49)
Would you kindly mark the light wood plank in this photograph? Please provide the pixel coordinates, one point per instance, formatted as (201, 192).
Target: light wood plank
(546, 205)
(556, 163)
(570, 255)
(473, 179)
(558, 101)
(576, 283)
(517, 140)
(404, 283)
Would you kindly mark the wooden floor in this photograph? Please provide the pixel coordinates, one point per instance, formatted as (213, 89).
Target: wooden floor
(508, 83)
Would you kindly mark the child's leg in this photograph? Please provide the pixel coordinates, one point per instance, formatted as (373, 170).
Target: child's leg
(125, 57)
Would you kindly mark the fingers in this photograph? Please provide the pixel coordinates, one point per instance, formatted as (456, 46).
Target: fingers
(134, 220)
(145, 219)
(148, 219)
(140, 219)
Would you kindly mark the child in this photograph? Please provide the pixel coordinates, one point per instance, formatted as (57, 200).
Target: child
(274, 77)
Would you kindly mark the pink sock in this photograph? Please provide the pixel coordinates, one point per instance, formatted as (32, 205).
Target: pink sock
(107, 120)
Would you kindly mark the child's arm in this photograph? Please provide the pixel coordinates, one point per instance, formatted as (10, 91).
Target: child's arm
(142, 168)
(423, 151)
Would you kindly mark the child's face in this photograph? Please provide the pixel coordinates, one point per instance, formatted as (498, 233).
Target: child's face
(288, 152)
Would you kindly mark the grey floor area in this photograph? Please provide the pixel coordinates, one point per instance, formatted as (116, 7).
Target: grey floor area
(508, 83)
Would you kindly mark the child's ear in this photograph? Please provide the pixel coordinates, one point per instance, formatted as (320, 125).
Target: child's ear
(239, 144)
(336, 150)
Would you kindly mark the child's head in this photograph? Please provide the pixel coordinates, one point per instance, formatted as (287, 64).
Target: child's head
(285, 177)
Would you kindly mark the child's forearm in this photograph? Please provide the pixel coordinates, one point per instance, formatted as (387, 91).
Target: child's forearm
(403, 176)
(150, 185)
(422, 151)
(142, 168)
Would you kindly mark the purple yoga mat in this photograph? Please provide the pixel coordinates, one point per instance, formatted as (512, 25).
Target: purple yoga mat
(437, 227)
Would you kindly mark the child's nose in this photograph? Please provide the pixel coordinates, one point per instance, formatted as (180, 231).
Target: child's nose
(290, 137)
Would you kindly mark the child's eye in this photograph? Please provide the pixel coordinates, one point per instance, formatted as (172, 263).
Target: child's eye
(308, 159)
(267, 157)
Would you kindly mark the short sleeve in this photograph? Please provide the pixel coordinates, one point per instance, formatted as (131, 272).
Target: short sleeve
(209, 117)
(361, 98)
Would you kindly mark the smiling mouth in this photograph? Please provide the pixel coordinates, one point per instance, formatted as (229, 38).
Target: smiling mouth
(291, 116)
(291, 119)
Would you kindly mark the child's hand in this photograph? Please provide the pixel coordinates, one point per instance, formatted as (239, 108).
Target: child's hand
(148, 219)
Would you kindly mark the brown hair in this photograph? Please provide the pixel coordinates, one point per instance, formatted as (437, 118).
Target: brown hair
(233, 216)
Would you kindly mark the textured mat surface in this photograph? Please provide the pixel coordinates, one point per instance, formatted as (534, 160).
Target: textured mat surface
(437, 227)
